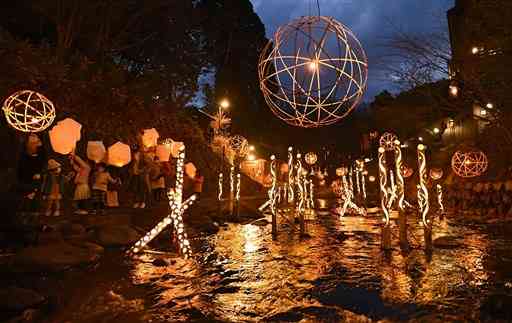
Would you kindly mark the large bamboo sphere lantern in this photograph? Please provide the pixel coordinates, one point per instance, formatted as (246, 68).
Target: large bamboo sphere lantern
(469, 164)
(29, 111)
(313, 72)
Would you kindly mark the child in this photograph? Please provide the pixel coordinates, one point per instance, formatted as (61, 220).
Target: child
(100, 186)
(157, 180)
(82, 190)
(53, 187)
(137, 175)
(112, 193)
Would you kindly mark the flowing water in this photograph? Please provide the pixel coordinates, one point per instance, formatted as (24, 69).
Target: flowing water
(338, 273)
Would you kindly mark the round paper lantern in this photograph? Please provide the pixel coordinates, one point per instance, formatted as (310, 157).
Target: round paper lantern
(150, 138)
(72, 128)
(61, 140)
(436, 173)
(310, 158)
(313, 72)
(190, 170)
(163, 152)
(119, 154)
(387, 141)
(239, 145)
(469, 164)
(29, 111)
(340, 171)
(406, 171)
(96, 151)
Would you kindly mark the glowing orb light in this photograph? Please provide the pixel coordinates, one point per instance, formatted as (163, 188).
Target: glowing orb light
(29, 111)
(436, 173)
(310, 158)
(470, 163)
(313, 72)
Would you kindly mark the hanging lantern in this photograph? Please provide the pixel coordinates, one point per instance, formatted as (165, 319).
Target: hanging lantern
(29, 111)
(96, 151)
(72, 128)
(150, 138)
(119, 154)
(469, 164)
(436, 173)
(163, 152)
(62, 139)
(313, 72)
(190, 170)
(310, 158)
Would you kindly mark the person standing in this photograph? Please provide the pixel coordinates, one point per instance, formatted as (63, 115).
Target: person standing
(52, 188)
(82, 190)
(137, 173)
(197, 184)
(99, 189)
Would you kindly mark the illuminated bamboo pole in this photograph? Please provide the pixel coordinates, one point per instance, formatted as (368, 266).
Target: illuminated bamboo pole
(237, 194)
(301, 194)
(350, 181)
(311, 194)
(231, 189)
(221, 179)
(363, 186)
(272, 195)
(423, 193)
(386, 228)
(358, 185)
(440, 200)
(400, 192)
(290, 191)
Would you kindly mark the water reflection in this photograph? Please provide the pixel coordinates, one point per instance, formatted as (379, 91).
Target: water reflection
(242, 275)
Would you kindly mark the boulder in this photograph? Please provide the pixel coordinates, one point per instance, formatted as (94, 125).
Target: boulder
(18, 299)
(54, 257)
(447, 242)
(116, 236)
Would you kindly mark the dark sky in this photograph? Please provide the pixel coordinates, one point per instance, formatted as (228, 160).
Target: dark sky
(372, 21)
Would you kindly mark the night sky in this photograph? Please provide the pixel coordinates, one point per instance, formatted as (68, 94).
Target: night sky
(372, 21)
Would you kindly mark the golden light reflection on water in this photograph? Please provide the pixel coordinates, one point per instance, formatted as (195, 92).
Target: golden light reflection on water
(267, 277)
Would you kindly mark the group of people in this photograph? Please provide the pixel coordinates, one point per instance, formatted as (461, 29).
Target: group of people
(43, 182)
(485, 198)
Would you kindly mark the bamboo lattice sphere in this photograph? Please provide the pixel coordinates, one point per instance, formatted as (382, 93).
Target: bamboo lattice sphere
(314, 72)
(311, 158)
(239, 145)
(469, 164)
(387, 141)
(29, 111)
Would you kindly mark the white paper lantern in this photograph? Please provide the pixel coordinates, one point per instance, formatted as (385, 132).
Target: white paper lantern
(190, 170)
(62, 140)
(150, 138)
(119, 154)
(96, 151)
(71, 127)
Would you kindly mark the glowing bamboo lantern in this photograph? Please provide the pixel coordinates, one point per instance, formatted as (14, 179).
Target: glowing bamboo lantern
(383, 184)
(423, 191)
(440, 198)
(400, 183)
(290, 191)
(221, 179)
(29, 111)
(119, 154)
(96, 151)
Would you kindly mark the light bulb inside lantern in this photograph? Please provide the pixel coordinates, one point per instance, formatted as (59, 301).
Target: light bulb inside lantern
(436, 130)
(313, 65)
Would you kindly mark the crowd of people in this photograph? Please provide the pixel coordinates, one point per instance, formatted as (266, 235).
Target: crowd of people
(484, 198)
(46, 184)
